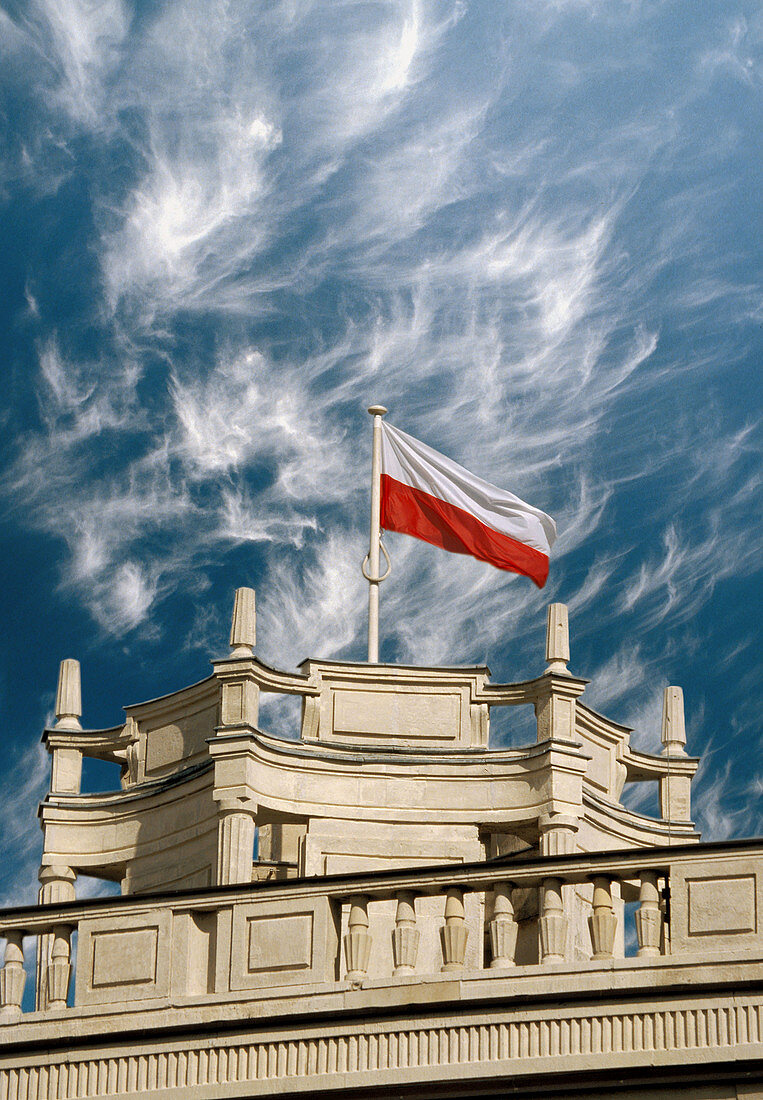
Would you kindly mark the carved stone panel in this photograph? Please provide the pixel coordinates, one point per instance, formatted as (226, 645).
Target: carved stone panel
(409, 715)
(722, 905)
(172, 742)
(124, 958)
(715, 906)
(280, 943)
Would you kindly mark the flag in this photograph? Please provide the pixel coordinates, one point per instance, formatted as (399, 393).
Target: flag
(429, 496)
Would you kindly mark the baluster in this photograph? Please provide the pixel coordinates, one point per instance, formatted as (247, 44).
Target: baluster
(649, 916)
(57, 887)
(602, 922)
(59, 967)
(503, 926)
(405, 938)
(553, 922)
(357, 941)
(12, 976)
(455, 932)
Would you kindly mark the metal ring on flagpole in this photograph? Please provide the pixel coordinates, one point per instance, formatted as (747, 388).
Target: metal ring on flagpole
(383, 577)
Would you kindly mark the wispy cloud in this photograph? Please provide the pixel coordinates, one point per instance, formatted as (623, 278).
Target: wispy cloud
(523, 230)
(24, 785)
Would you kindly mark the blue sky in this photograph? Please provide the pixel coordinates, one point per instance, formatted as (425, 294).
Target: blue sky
(531, 230)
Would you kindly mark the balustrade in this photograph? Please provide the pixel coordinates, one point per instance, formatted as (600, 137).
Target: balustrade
(421, 920)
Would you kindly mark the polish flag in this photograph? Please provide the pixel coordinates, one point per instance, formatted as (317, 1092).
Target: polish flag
(429, 496)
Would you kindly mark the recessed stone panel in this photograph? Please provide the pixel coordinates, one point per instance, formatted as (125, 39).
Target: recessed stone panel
(722, 905)
(172, 742)
(276, 943)
(281, 943)
(405, 714)
(125, 957)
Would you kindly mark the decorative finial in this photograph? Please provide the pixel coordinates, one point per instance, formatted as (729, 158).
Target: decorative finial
(557, 638)
(68, 696)
(243, 632)
(673, 726)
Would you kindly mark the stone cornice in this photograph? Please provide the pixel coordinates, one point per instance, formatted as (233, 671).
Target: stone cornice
(611, 985)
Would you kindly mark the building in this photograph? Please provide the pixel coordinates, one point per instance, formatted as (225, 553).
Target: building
(385, 906)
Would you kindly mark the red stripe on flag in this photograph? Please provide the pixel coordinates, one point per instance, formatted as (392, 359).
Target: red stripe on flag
(413, 512)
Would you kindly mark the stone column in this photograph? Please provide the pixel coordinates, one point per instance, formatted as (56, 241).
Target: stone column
(503, 927)
(235, 842)
(553, 922)
(12, 976)
(649, 916)
(57, 887)
(455, 933)
(557, 834)
(405, 938)
(602, 922)
(357, 941)
(675, 790)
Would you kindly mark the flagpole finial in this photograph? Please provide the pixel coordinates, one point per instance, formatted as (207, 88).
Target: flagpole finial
(377, 410)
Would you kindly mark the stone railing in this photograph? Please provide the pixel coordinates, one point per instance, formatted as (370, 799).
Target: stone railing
(424, 924)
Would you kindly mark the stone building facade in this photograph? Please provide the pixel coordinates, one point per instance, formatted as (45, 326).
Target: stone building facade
(385, 906)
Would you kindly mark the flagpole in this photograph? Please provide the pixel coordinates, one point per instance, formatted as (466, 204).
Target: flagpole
(373, 578)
